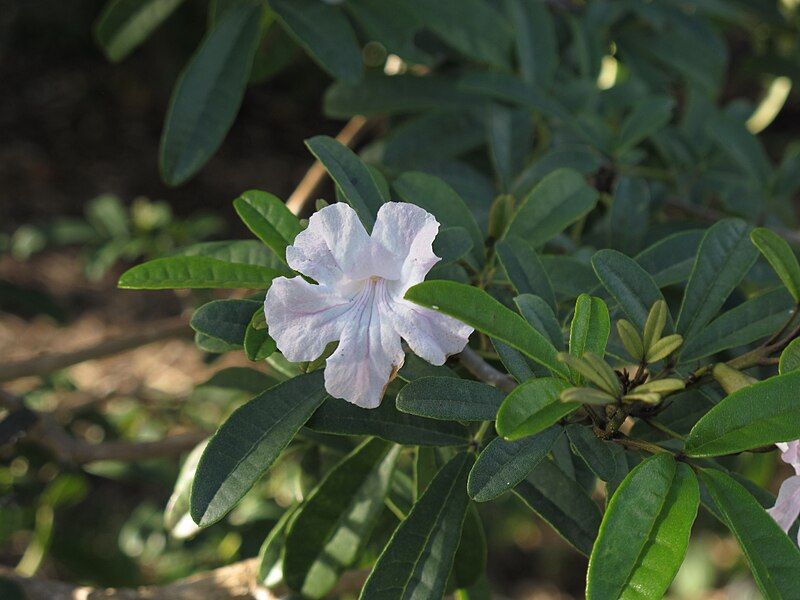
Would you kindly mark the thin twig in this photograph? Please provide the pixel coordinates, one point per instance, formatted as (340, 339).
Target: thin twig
(47, 363)
(484, 371)
(315, 175)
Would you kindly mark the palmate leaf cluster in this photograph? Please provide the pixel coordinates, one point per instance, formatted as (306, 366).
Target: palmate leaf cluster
(618, 340)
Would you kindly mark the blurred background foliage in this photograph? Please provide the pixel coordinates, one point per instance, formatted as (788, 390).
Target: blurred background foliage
(693, 99)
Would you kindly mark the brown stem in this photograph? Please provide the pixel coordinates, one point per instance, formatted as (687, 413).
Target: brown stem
(47, 363)
(484, 371)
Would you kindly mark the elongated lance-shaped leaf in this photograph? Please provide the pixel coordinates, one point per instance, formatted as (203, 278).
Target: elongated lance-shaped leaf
(248, 252)
(647, 117)
(257, 343)
(629, 217)
(270, 555)
(590, 328)
(669, 261)
(503, 464)
(536, 311)
(196, 272)
(629, 284)
(774, 559)
(208, 93)
(225, 320)
(325, 33)
(352, 176)
(450, 399)
(269, 219)
(470, 560)
(176, 516)
(125, 24)
(334, 523)
(758, 415)
(596, 453)
(780, 256)
(532, 407)
(723, 259)
(340, 417)
(536, 43)
(790, 358)
(524, 269)
(478, 309)
(645, 532)
(562, 503)
(419, 556)
(249, 442)
(556, 202)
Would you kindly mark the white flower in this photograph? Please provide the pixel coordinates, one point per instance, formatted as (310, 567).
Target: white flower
(787, 506)
(359, 300)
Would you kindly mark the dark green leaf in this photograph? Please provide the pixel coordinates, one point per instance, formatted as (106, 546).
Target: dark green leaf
(248, 442)
(470, 561)
(478, 309)
(208, 93)
(630, 215)
(781, 257)
(647, 117)
(257, 343)
(451, 244)
(503, 464)
(537, 47)
(562, 503)
(509, 134)
(556, 202)
(240, 378)
(270, 555)
(225, 320)
(790, 358)
(629, 284)
(352, 176)
(774, 559)
(419, 556)
(124, 24)
(514, 361)
(176, 516)
(670, 260)
(645, 532)
(540, 315)
(333, 525)
(524, 269)
(195, 272)
(590, 328)
(596, 453)
(269, 219)
(757, 415)
(450, 399)
(532, 407)
(340, 417)
(325, 33)
(742, 146)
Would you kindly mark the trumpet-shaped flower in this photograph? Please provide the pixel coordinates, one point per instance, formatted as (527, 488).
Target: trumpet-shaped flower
(358, 299)
(787, 505)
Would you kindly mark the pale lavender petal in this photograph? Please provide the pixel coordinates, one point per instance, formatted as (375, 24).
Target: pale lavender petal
(369, 353)
(787, 506)
(334, 248)
(304, 318)
(406, 233)
(430, 335)
(790, 454)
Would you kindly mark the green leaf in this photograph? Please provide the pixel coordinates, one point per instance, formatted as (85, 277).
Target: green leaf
(629, 216)
(752, 320)
(514, 361)
(532, 407)
(760, 414)
(270, 555)
(269, 219)
(629, 284)
(562, 503)
(470, 560)
(645, 532)
(340, 417)
(723, 259)
(257, 343)
(503, 464)
(249, 442)
(125, 24)
(509, 132)
(536, 43)
(472, 27)
(248, 252)
(590, 328)
(442, 201)
(774, 559)
(333, 525)
(176, 515)
(208, 93)
(419, 556)
(450, 399)
(225, 320)
(524, 269)
(790, 358)
(325, 33)
(780, 257)
(478, 309)
(536, 311)
(596, 453)
(451, 244)
(670, 260)
(195, 272)
(243, 379)
(647, 117)
(742, 146)
(352, 176)
(556, 202)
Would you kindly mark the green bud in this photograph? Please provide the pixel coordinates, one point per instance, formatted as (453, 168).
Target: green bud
(630, 339)
(608, 374)
(654, 326)
(661, 386)
(663, 348)
(731, 379)
(320, 204)
(586, 395)
(583, 368)
(319, 362)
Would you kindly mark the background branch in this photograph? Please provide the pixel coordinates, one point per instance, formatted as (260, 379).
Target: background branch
(478, 367)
